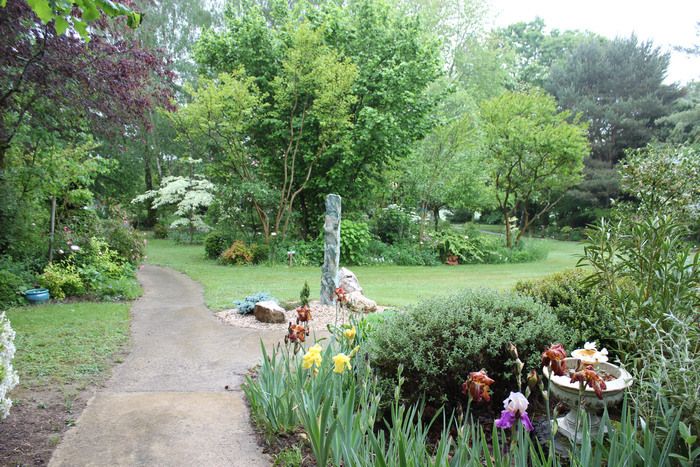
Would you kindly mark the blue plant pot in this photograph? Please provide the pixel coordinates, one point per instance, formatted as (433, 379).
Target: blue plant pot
(36, 296)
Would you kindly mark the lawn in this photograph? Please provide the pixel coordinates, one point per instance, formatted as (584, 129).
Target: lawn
(388, 285)
(63, 351)
(67, 344)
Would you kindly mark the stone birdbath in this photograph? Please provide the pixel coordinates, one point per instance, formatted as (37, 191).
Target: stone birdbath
(616, 381)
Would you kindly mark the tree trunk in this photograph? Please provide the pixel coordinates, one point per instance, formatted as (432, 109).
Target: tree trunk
(506, 222)
(152, 216)
(436, 217)
(52, 227)
(423, 215)
(305, 221)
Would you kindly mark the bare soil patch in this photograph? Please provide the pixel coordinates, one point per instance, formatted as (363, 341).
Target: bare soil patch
(36, 423)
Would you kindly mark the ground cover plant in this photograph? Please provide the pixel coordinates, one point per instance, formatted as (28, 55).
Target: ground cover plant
(62, 349)
(388, 285)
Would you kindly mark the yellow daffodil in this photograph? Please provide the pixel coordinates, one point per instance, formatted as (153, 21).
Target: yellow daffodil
(350, 333)
(312, 357)
(342, 363)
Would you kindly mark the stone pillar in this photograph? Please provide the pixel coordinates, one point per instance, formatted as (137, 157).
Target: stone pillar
(331, 250)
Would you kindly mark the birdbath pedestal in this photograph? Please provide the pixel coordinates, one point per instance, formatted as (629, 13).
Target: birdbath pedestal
(569, 393)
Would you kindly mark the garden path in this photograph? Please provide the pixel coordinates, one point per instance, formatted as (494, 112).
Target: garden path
(166, 404)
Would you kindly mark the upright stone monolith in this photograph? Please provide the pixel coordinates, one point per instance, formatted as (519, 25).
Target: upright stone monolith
(331, 254)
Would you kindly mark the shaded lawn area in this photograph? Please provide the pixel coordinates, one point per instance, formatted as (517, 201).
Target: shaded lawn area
(62, 350)
(388, 285)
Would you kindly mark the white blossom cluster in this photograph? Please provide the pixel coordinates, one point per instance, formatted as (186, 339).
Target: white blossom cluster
(189, 195)
(8, 376)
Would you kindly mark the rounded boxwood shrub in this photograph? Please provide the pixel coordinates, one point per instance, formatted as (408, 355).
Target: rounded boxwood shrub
(261, 252)
(216, 243)
(440, 340)
(160, 231)
(586, 310)
(394, 224)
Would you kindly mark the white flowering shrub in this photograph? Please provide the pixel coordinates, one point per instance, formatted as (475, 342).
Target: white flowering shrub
(190, 196)
(8, 376)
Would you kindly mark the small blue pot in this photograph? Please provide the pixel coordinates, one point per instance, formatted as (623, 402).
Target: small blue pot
(36, 296)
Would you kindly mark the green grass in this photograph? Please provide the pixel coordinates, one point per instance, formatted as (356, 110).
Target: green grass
(67, 344)
(388, 285)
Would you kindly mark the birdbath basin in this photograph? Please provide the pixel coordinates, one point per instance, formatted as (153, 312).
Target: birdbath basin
(616, 381)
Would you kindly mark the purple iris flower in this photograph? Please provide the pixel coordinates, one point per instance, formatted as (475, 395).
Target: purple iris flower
(515, 408)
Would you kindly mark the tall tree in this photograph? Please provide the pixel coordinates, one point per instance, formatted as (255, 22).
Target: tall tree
(618, 86)
(396, 60)
(443, 169)
(682, 126)
(535, 51)
(57, 89)
(535, 155)
(308, 114)
(76, 16)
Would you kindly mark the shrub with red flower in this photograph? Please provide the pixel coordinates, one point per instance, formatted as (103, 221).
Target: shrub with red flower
(588, 376)
(478, 386)
(554, 357)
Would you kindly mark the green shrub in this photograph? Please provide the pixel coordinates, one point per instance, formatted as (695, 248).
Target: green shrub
(216, 242)
(470, 247)
(306, 253)
(261, 253)
(237, 253)
(62, 280)
(586, 311)
(354, 240)
(526, 252)
(440, 340)
(410, 254)
(11, 285)
(652, 276)
(160, 231)
(394, 224)
(125, 241)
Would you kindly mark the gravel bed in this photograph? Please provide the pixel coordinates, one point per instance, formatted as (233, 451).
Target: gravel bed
(321, 316)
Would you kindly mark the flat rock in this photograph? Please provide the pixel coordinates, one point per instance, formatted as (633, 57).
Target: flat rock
(269, 312)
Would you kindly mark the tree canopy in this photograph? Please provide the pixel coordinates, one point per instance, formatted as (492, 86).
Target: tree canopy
(535, 154)
(395, 60)
(618, 86)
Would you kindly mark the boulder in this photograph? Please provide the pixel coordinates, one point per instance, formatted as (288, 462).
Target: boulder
(269, 312)
(348, 281)
(360, 303)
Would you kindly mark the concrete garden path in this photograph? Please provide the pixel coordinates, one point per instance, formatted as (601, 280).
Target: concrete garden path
(166, 404)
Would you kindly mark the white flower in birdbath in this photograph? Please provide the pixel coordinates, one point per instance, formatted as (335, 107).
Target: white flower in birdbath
(590, 355)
